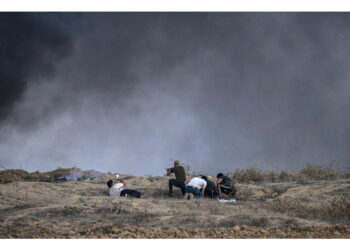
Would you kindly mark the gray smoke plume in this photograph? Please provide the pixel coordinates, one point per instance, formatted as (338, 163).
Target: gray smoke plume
(30, 44)
(218, 91)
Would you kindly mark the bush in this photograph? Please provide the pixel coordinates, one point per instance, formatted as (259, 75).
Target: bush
(318, 172)
(310, 172)
(249, 175)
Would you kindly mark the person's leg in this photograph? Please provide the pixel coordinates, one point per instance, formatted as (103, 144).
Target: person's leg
(180, 185)
(207, 193)
(182, 188)
(224, 189)
(219, 189)
(210, 194)
(214, 194)
(171, 184)
(131, 193)
(196, 192)
(187, 192)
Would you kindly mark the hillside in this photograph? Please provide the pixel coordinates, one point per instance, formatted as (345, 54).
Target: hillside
(82, 209)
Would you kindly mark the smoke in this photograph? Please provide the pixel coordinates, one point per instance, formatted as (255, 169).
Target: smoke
(30, 45)
(78, 174)
(217, 91)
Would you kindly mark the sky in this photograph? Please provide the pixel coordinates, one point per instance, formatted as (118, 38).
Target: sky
(130, 92)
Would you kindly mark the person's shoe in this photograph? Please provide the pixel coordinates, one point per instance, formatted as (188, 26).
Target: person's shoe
(171, 195)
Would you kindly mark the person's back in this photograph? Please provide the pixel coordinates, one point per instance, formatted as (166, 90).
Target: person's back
(196, 186)
(226, 181)
(197, 182)
(211, 190)
(180, 177)
(116, 189)
(180, 174)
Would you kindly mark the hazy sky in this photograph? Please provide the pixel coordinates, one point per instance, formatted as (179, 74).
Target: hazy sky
(127, 92)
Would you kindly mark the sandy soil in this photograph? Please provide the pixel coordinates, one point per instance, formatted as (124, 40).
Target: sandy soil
(82, 209)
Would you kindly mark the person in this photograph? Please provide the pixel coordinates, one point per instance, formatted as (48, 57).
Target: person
(196, 187)
(211, 191)
(225, 185)
(118, 189)
(180, 177)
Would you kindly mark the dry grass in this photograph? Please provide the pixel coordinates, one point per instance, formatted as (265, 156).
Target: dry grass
(80, 209)
(332, 210)
(310, 173)
(59, 174)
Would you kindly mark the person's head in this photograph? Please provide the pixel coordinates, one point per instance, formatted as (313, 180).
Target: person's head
(204, 177)
(110, 183)
(176, 163)
(219, 176)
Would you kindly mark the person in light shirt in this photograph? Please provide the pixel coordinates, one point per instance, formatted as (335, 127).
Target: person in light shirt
(117, 189)
(196, 187)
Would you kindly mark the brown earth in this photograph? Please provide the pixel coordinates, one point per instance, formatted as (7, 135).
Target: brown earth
(82, 209)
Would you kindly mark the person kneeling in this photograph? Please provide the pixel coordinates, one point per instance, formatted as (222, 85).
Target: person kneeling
(196, 187)
(225, 186)
(211, 191)
(118, 190)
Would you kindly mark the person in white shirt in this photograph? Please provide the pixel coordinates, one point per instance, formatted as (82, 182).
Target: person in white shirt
(118, 190)
(196, 186)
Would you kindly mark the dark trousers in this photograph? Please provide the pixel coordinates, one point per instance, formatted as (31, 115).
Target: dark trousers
(229, 190)
(130, 192)
(210, 193)
(179, 184)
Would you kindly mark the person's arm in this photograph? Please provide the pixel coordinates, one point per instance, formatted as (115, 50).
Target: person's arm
(218, 180)
(169, 171)
(203, 188)
(122, 182)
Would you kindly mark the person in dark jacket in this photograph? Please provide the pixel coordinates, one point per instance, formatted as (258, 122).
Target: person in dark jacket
(180, 177)
(225, 185)
(211, 191)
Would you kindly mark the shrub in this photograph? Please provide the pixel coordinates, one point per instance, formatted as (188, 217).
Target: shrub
(318, 172)
(249, 175)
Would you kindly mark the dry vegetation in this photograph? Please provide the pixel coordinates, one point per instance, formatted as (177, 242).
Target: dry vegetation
(310, 173)
(313, 203)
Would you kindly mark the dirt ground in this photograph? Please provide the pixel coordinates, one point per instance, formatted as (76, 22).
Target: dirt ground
(82, 209)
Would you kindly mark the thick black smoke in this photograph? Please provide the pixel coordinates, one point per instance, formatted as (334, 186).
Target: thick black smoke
(219, 91)
(30, 45)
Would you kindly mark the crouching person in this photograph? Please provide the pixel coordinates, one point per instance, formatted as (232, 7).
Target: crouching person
(118, 190)
(211, 191)
(225, 186)
(180, 178)
(196, 187)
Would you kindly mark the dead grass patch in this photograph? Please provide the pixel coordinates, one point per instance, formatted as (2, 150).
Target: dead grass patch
(336, 209)
(310, 173)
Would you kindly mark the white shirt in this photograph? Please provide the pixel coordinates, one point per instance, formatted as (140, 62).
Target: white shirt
(197, 182)
(116, 189)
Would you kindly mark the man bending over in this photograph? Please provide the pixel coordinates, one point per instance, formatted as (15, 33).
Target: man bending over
(196, 187)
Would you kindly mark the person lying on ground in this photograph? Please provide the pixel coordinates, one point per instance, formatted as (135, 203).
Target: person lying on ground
(211, 191)
(117, 189)
(180, 177)
(196, 187)
(225, 185)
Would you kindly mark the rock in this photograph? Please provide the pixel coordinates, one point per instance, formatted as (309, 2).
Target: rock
(236, 228)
